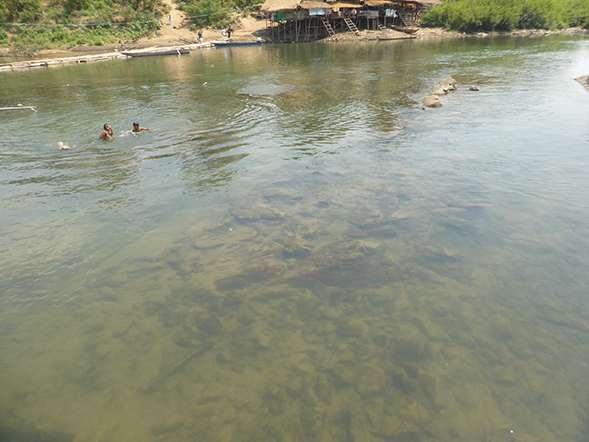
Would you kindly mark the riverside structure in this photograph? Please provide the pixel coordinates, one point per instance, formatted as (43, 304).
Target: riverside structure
(304, 20)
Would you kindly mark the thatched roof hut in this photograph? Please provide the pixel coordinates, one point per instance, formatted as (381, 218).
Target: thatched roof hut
(271, 6)
(280, 5)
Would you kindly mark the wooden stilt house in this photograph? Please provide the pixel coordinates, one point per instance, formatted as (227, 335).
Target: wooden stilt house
(308, 20)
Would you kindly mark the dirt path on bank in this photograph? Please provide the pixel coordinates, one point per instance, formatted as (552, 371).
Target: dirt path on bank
(178, 31)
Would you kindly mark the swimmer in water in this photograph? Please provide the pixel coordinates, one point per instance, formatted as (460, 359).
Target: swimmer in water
(136, 128)
(106, 134)
(62, 146)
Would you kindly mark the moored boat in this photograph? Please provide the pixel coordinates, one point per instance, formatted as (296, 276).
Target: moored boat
(151, 52)
(405, 30)
(237, 43)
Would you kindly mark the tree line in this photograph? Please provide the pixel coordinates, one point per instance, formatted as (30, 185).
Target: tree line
(508, 15)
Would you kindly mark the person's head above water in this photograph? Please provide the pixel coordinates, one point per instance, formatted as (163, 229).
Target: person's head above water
(136, 128)
(107, 133)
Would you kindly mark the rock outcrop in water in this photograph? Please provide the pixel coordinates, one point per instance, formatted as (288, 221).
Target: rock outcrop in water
(584, 81)
(445, 86)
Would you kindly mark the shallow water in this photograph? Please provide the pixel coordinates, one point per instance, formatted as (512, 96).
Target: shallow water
(298, 252)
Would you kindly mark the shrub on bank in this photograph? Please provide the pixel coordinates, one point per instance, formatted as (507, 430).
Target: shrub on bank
(578, 13)
(507, 15)
(75, 22)
(27, 39)
(213, 13)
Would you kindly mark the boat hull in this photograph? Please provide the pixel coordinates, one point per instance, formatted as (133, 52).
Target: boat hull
(153, 53)
(237, 43)
(405, 30)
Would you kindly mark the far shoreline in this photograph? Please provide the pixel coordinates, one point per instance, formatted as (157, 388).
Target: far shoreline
(7, 55)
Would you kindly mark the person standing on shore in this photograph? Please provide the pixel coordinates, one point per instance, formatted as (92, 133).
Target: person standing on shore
(106, 134)
(170, 18)
(229, 31)
(223, 32)
(200, 37)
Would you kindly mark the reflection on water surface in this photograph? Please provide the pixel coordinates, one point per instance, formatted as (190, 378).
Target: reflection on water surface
(299, 252)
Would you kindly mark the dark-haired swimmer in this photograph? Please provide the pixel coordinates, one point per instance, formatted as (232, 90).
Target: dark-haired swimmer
(136, 128)
(106, 134)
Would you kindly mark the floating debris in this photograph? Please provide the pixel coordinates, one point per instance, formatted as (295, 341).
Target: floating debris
(19, 107)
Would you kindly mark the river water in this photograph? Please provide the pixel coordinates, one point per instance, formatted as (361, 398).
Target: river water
(298, 251)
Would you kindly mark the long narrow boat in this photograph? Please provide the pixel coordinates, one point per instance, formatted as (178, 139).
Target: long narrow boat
(237, 43)
(152, 52)
(381, 38)
(405, 30)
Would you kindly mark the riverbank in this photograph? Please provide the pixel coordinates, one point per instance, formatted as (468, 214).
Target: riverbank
(246, 28)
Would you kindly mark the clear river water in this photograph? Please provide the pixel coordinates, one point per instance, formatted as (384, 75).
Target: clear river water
(298, 251)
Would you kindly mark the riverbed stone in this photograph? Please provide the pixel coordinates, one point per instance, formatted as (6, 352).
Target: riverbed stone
(428, 385)
(261, 342)
(170, 425)
(350, 328)
(257, 212)
(584, 80)
(120, 325)
(438, 89)
(369, 380)
(358, 425)
(207, 241)
(432, 101)
(102, 350)
(312, 423)
(211, 325)
(448, 83)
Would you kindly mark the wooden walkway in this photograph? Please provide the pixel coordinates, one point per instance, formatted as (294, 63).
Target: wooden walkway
(22, 65)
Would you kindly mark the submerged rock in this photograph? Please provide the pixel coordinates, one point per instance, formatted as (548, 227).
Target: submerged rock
(351, 328)
(584, 81)
(207, 241)
(403, 382)
(428, 385)
(102, 350)
(256, 213)
(439, 90)
(445, 86)
(358, 426)
(432, 101)
(369, 381)
(211, 325)
(312, 423)
(170, 425)
(448, 83)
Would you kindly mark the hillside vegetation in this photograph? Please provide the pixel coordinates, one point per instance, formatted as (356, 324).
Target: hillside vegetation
(507, 15)
(30, 25)
(214, 13)
(36, 24)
